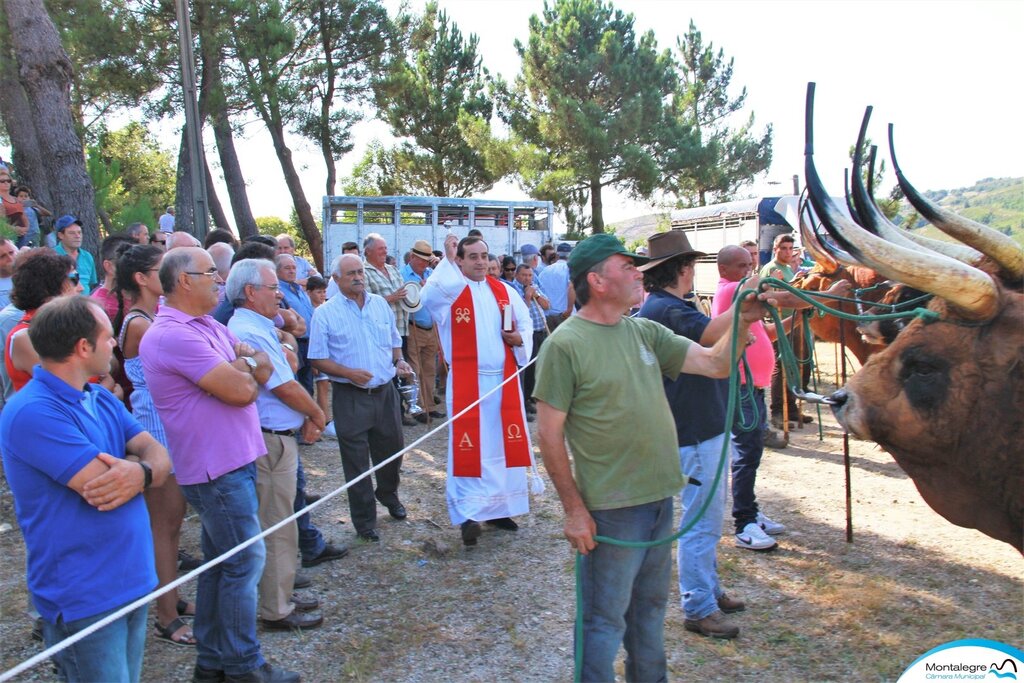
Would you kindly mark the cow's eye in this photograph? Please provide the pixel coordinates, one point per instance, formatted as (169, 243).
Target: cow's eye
(925, 378)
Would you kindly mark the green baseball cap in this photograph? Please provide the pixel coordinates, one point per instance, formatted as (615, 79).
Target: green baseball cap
(595, 249)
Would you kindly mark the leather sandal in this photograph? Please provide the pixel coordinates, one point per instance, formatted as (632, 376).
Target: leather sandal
(167, 633)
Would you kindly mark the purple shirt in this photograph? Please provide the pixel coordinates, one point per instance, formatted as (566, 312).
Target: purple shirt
(206, 437)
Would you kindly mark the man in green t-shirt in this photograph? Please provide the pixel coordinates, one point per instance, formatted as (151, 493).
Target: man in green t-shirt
(599, 386)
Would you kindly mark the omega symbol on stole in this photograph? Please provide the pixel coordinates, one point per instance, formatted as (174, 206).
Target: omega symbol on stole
(514, 433)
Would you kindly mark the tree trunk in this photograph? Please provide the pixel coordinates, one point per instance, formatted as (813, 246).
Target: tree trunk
(233, 178)
(108, 225)
(302, 209)
(183, 202)
(45, 74)
(596, 208)
(212, 105)
(220, 219)
(17, 117)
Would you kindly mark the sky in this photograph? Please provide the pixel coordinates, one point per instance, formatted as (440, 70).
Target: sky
(947, 74)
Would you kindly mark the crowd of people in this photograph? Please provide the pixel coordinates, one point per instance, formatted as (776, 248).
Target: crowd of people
(219, 360)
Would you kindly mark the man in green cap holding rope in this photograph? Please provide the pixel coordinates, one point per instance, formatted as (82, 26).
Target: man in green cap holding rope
(599, 386)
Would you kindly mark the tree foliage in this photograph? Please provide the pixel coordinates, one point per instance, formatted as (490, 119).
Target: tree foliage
(424, 97)
(119, 54)
(719, 159)
(131, 175)
(590, 96)
(352, 39)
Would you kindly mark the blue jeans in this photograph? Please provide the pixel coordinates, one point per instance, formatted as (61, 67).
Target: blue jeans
(747, 450)
(698, 565)
(311, 541)
(226, 597)
(625, 592)
(114, 653)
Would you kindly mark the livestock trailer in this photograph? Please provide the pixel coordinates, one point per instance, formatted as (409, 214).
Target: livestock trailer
(709, 228)
(506, 225)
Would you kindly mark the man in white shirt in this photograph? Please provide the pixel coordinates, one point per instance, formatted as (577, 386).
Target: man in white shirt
(554, 280)
(166, 221)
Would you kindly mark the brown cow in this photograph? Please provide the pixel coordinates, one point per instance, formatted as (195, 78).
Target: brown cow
(827, 327)
(945, 398)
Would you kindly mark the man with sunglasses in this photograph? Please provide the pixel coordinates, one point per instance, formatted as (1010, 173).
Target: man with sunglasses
(69, 236)
(158, 239)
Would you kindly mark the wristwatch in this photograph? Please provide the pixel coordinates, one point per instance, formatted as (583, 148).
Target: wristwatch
(148, 472)
(251, 362)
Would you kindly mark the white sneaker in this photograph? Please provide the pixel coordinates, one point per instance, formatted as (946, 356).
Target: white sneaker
(329, 431)
(770, 526)
(753, 537)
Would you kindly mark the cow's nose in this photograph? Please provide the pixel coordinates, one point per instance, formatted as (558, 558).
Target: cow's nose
(838, 399)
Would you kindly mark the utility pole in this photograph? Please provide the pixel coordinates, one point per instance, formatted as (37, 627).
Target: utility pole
(197, 167)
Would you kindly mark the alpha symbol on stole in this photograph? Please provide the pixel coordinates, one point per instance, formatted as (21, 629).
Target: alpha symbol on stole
(514, 433)
(465, 441)
(462, 315)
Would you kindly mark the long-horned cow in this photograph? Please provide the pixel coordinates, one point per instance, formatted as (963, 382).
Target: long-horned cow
(946, 398)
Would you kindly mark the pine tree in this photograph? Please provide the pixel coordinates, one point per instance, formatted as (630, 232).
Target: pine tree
(589, 98)
(423, 98)
(720, 159)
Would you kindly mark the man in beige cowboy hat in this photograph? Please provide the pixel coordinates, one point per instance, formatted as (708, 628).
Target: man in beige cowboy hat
(422, 341)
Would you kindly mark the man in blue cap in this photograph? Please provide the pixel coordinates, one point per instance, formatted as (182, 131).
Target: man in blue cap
(69, 238)
(599, 385)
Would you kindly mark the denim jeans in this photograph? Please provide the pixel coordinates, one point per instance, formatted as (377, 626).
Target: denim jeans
(114, 653)
(747, 450)
(311, 541)
(698, 565)
(625, 592)
(226, 597)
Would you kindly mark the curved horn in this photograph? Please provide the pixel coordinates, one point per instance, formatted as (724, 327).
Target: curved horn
(1003, 250)
(850, 206)
(810, 241)
(968, 289)
(875, 222)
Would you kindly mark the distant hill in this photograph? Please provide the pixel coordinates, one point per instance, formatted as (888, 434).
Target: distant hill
(996, 202)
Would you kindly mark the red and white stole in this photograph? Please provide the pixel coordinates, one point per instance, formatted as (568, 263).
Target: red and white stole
(466, 390)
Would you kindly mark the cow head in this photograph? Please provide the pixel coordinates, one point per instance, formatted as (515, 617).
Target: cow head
(947, 396)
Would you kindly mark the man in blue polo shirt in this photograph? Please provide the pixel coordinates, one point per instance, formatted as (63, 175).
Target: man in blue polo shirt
(77, 460)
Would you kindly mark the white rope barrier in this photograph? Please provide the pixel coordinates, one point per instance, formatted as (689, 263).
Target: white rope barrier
(144, 600)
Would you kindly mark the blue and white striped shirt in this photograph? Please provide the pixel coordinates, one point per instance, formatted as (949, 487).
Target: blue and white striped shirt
(360, 338)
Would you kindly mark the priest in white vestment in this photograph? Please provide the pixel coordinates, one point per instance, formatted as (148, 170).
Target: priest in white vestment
(464, 304)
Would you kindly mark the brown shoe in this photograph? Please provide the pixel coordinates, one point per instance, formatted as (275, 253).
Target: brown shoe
(774, 439)
(715, 625)
(296, 621)
(730, 605)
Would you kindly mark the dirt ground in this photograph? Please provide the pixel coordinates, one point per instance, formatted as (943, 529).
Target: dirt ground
(419, 607)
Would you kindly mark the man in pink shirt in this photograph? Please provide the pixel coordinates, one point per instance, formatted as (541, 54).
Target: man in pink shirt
(749, 429)
(204, 384)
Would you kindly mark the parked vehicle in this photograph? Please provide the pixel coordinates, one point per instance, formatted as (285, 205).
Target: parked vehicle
(506, 225)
